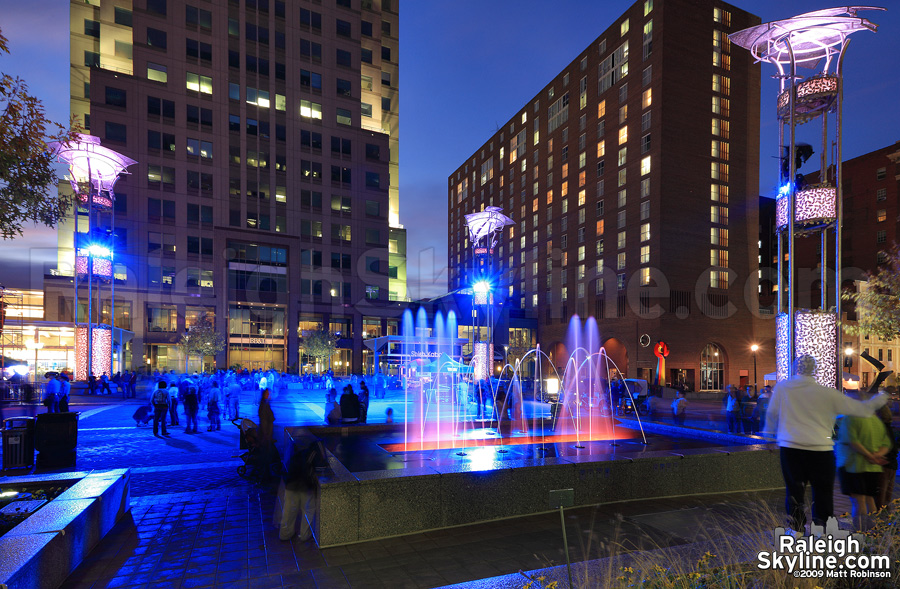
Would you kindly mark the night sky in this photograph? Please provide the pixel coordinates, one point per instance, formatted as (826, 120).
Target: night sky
(465, 68)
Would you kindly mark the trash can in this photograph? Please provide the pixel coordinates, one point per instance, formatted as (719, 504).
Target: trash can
(55, 439)
(18, 442)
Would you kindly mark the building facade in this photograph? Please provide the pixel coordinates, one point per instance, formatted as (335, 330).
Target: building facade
(265, 193)
(633, 178)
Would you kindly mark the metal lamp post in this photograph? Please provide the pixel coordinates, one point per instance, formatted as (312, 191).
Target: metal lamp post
(754, 348)
(814, 43)
(485, 228)
(93, 172)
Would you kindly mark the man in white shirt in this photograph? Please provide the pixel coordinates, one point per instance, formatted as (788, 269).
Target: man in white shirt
(802, 413)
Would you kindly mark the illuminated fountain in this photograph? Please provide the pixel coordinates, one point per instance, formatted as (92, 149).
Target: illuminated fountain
(808, 51)
(441, 403)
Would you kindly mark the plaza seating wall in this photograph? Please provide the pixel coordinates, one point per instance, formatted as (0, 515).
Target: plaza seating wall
(43, 550)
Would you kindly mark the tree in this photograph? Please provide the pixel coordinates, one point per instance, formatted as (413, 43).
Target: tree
(201, 339)
(319, 343)
(878, 301)
(27, 177)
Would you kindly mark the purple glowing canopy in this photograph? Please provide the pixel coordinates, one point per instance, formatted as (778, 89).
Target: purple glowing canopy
(88, 160)
(484, 223)
(811, 36)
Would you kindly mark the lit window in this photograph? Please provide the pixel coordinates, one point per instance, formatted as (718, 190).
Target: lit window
(623, 113)
(620, 241)
(620, 261)
(157, 72)
(623, 28)
(311, 110)
(881, 215)
(646, 98)
(623, 135)
(645, 254)
(645, 166)
(601, 109)
(645, 232)
(648, 6)
(581, 254)
(198, 83)
(623, 156)
(581, 199)
(601, 148)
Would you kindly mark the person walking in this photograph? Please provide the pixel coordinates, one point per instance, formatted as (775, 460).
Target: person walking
(889, 468)
(297, 490)
(266, 420)
(679, 408)
(173, 405)
(191, 403)
(132, 384)
(801, 414)
(233, 398)
(213, 411)
(65, 387)
(160, 402)
(104, 382)
(51, 395)
(363, 401)
(733, 409)
(92, 384)
(860, 453)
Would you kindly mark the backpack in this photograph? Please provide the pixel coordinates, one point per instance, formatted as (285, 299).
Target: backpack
(160, 397)
(301, 471)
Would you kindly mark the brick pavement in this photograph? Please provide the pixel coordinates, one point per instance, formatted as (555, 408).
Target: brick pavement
(194, 523)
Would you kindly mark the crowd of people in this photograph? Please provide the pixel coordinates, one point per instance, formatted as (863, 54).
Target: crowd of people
(216, 394)
(802, 414)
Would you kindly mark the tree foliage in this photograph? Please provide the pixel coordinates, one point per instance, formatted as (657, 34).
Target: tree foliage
(318, 343)
(27, 177)
(201, 339)
(878, 301)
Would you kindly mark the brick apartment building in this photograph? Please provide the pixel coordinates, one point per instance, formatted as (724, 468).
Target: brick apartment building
(871, 226)
(265, 193)
(633, 178)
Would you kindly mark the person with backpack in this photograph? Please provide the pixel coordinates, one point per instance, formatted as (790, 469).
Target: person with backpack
(191, 402)
(160, 402)
(297, 490)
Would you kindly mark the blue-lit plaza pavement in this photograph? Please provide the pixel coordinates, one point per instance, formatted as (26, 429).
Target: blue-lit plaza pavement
(195, 523)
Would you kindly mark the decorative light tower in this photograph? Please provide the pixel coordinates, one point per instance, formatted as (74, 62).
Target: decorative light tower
(485, 228)
(815, 42)
(93, 171)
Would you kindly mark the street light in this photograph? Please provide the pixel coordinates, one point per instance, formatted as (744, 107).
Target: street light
(754, 348)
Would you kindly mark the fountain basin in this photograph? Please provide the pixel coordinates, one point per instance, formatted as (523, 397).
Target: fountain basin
(370, 493)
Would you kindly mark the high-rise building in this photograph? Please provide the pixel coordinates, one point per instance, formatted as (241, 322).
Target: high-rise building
(265, 193)
(633, 179)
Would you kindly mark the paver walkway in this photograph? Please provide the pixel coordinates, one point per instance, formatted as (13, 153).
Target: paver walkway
(195, 523)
